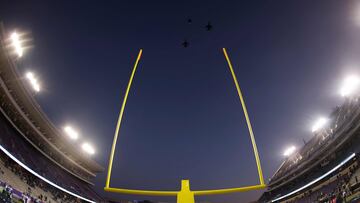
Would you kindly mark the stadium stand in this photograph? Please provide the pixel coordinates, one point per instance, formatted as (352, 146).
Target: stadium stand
(19, 184)
(28, 136)
(326, 168)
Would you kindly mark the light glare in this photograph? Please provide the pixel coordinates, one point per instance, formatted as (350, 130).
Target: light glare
(73, 134)
(350, 85)
(16, 43)
(33, 81)
(356, 16)
(88, 148)
(319, 124)
(289, 151)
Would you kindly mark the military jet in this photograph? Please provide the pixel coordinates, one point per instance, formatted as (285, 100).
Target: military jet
(209, 26)
(185, 43)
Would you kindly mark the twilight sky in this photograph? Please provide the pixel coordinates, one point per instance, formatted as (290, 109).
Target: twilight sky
(183, 119)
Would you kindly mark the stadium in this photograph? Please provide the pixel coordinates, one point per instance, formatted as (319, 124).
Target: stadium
(326, 168)
(37, 162)
(41, 162)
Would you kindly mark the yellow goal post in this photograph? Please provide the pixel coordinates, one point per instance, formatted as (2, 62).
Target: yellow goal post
(185, 195)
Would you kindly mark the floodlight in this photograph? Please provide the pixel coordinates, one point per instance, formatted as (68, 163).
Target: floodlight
(16, 43)
(73, 134)
(320, 123)
(36, 87)
(350, 85)
(33, 81)
(88, 148)
(289, 151)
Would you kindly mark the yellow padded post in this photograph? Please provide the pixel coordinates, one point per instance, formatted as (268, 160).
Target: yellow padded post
(185, 195)
(252, 137)
(118, 125)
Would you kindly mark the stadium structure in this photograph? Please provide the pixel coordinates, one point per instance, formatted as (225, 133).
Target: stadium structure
(37, 162)
(326, 168)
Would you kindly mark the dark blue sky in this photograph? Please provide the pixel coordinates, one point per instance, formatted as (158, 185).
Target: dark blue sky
(183, 118)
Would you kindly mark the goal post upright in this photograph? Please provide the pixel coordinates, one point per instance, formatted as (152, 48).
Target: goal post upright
(252, 137)
(118, 125)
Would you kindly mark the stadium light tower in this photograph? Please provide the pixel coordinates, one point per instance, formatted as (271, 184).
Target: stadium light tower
(350, 85)
(73, 134)
(33, 81)
(289, 151)
(320, 123)
(88, 148)
(16, 43)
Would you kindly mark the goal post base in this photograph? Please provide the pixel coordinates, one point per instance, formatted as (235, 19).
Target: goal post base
(185, 195)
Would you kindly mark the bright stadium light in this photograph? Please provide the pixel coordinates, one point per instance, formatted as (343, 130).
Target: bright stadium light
(350, 85)
(16, 43)
(320, 123)
(289, 151)
(33, 81)
(88, 148)
(73, 134)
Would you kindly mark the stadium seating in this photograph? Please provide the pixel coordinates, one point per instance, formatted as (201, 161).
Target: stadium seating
(304, 176)
(31, 144)
(28, 155)
(337, 187)
(18, 179)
